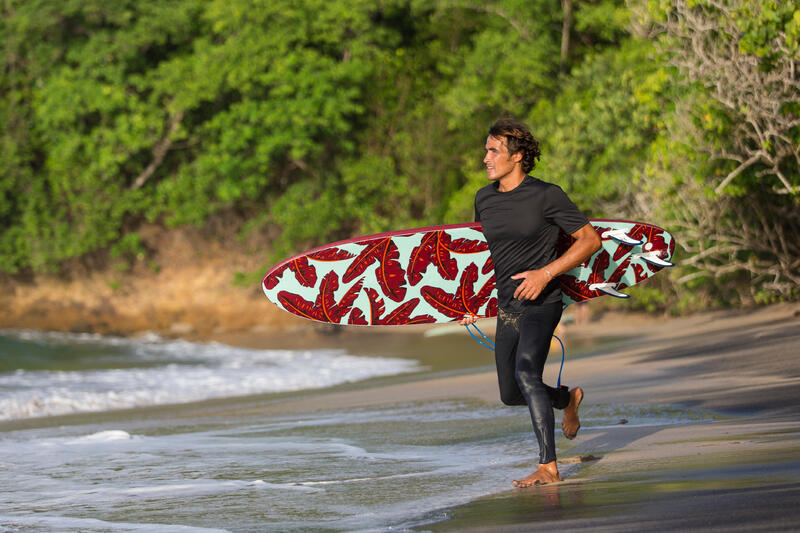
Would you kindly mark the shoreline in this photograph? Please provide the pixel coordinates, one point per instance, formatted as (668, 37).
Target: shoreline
(739, 367)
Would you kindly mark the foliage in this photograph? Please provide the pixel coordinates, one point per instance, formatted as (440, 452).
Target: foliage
(735, 137)
(316, 120)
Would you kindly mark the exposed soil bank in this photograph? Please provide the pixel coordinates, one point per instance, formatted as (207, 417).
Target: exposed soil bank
(185, 287)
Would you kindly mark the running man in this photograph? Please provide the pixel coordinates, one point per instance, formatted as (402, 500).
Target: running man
(521, 217)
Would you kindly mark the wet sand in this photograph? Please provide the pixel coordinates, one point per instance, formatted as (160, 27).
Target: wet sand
(738, 472)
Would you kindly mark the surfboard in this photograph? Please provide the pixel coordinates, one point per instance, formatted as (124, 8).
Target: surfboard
(439, 274)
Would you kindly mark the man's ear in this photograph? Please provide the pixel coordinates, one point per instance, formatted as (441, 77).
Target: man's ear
(517, 158)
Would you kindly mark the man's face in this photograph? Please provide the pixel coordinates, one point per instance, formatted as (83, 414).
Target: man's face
(498, 163)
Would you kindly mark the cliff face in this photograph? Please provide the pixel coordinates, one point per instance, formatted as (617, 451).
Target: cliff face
(184, 287)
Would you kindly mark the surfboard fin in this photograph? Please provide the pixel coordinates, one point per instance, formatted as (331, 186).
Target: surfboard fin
(654, 258)
(608, 288)
(620, 235)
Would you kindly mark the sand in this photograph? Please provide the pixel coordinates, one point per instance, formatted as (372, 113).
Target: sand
(739, 471)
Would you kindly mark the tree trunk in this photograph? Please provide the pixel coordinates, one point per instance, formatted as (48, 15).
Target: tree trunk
(565, 29)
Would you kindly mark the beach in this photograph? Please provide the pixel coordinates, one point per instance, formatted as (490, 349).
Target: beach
(689, 423)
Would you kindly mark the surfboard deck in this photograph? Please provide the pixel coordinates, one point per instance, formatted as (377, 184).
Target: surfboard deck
(439, 274)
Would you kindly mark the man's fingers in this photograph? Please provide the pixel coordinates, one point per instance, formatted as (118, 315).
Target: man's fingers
(468, 319)
(526, 293)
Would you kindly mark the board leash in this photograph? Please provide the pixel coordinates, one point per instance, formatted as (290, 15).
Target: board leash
(489, 344)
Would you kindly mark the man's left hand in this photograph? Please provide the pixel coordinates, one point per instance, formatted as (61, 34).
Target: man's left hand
(534, 282)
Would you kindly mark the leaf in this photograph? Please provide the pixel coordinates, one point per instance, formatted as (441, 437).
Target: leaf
(488, 266)
(579, 290)
(402, 315)
(331, 254)
(464, 301)
(357, 318)
(331, 310)
(437, 246)
(619, 272)
(297, 305)
(389, 273)
(376, 305)
(491, 308)
(399, 317)
(305, 273)
(421, 257)
(468, 246)
(600, 263)
(575, 289)
(638, 272)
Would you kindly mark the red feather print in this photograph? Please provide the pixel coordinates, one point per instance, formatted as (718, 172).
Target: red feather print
(575, 289)
(655, 237)
(333, 311)
(421, 257)
(488, 266)
(305, 274)
(299, 306)
(271, 281)
(579, 290)
(491, 307)
(639, 273)
(399, 317)
(599, 266)
(389, 273)
(619, 272)
(468, 246)
(357, 318)
(437, 247)
(331, 254)
(464, 301)
(376, 305)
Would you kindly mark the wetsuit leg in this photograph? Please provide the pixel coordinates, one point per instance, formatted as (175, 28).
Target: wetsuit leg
(536, 328)
(505, 355)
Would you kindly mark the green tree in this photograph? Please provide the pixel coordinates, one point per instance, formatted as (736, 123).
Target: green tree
(729, 169)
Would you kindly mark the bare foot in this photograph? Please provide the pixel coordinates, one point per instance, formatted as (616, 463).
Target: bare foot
(571, 423)
(546, 473)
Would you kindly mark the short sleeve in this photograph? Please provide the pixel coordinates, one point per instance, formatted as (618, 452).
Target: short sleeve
(563, 212)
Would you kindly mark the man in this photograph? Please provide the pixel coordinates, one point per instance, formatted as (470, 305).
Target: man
(521, 218)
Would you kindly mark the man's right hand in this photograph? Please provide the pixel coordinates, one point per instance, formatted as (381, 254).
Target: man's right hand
(468, 319)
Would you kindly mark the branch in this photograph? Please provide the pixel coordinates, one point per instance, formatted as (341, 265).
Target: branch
(159, 151)
(741, 168)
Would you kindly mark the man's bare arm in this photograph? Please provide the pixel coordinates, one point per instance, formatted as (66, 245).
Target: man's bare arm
(587, 242)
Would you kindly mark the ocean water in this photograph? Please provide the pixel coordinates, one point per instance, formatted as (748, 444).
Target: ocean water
(45, 374)
(75, 457)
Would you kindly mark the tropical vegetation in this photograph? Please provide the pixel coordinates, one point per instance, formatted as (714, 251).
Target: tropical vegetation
(314, 120)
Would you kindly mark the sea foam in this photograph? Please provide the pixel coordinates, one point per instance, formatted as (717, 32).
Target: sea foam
(126, 373)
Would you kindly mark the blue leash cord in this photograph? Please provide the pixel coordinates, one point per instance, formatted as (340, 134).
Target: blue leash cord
(490, 345)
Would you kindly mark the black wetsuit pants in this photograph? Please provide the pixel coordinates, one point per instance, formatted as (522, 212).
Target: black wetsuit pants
(522, 341)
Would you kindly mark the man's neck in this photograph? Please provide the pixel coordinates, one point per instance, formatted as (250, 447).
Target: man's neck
(511, 181)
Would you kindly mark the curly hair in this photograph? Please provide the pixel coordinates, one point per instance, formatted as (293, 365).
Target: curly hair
(518, 138)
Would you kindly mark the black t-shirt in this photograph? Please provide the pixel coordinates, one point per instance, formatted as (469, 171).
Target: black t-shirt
(521, 227)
